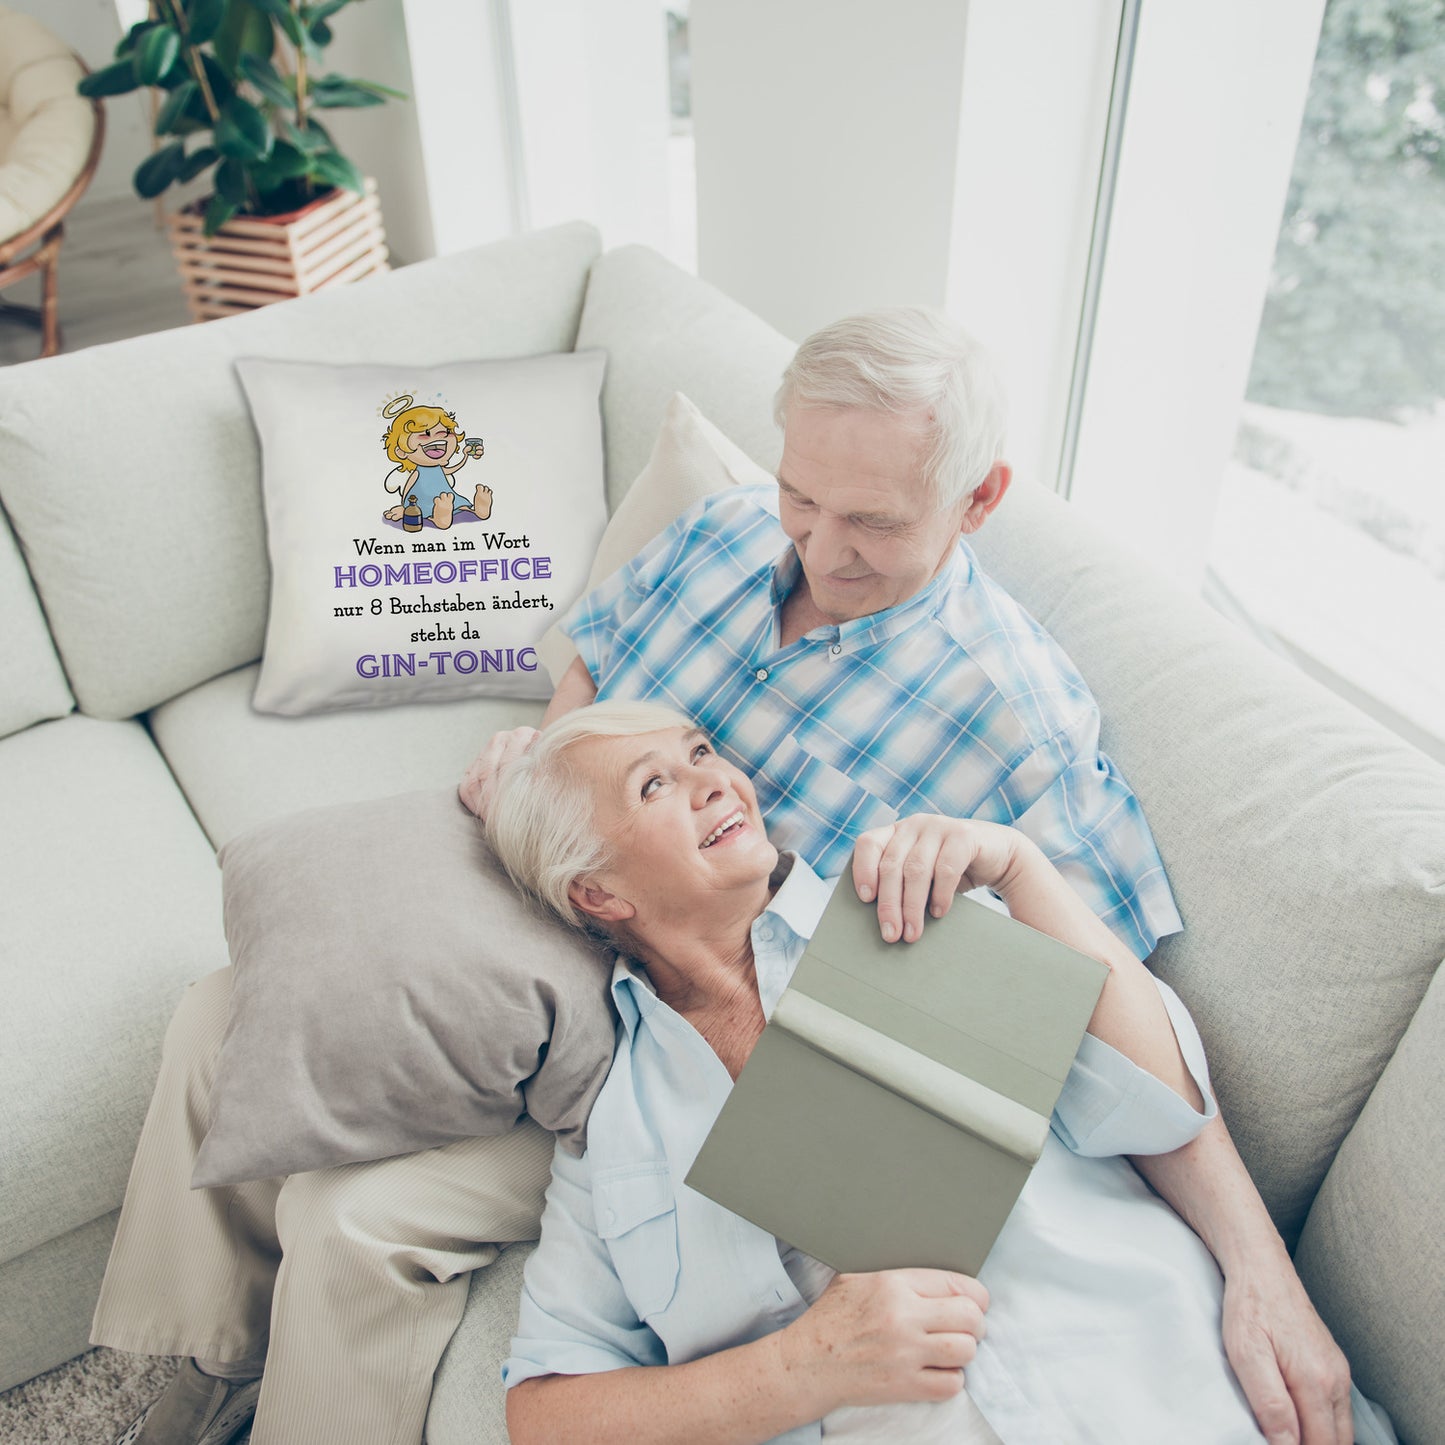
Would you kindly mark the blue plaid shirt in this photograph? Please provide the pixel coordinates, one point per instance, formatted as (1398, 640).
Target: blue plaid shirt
(954, 702)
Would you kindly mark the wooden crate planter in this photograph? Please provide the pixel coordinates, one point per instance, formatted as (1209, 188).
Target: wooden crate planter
(255, 260)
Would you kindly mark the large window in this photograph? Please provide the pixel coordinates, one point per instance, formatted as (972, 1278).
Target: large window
(1330, 529)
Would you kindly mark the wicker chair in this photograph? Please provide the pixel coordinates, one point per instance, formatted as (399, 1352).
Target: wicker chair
(50, 140)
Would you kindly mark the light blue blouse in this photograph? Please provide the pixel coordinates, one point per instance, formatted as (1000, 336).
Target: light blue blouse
(1105, 1316)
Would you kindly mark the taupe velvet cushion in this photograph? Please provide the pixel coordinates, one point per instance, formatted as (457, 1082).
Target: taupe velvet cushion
(393, 993)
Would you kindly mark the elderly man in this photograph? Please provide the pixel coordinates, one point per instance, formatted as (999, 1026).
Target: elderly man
(837, 639)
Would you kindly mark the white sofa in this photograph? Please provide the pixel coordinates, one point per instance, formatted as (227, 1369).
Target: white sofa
(1306, 846)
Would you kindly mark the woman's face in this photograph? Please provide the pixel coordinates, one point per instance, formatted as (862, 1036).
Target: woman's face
(682, 824)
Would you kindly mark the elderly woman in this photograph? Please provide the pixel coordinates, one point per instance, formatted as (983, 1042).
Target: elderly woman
(653, 1314)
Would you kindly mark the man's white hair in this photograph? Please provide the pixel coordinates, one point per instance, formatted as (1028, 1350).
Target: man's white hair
(908, 360)
(542, 820)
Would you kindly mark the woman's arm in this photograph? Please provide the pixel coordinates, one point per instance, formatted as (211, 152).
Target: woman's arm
(917, 865)
(1295, 1377)
(870, 1339)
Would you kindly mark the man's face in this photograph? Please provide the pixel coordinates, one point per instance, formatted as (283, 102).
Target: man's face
(852, 499)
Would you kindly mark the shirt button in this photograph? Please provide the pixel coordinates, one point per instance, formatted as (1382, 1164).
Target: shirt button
(836, 648)
(761, 674)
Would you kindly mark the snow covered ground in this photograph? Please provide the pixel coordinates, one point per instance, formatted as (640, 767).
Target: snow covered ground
(1339, 549)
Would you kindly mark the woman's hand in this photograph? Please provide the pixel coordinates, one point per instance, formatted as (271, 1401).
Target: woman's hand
(918, 864)
(477, 784)
(897, 1335)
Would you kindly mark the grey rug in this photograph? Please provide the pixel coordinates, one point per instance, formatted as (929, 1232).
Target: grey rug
(86, 1402)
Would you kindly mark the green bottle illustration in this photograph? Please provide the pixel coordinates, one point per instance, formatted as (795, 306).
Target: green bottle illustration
(411, 515)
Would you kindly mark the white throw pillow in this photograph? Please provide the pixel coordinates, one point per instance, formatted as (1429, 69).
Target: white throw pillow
(425, 524)
(691, 459)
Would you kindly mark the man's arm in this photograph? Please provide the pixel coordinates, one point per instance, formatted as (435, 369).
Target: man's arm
(575, 690)
(1295, 1377)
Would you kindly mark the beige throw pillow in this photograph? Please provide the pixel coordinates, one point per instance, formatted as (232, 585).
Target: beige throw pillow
(393, 992)
(691, 459)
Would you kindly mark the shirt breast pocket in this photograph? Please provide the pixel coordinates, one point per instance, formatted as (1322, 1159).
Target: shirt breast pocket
(636, 1213)
(817, 809)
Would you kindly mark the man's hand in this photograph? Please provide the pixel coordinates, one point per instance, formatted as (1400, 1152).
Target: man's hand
(1295, 1377)
(476, 786)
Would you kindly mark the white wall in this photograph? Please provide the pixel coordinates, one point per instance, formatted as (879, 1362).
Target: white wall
(593, 111)
(827, 146)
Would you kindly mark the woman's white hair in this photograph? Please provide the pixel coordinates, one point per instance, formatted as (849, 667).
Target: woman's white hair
(908, 360)
(542, 820)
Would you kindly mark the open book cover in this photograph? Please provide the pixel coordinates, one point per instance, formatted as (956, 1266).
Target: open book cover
(900, 1094)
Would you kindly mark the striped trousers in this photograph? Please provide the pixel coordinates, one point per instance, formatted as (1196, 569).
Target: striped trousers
(349, 1281)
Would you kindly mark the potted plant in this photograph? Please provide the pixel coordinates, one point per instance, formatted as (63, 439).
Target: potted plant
(239, 85)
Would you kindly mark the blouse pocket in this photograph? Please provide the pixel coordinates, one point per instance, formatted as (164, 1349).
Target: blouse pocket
(637, 1217)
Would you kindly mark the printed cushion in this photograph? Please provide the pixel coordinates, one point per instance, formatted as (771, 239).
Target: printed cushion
(425, 524)
(393, 992)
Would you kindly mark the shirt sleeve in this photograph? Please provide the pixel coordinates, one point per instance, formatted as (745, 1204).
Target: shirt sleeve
(575, 1318)
(1075, 804)
(597, 620)
(1109, 1105)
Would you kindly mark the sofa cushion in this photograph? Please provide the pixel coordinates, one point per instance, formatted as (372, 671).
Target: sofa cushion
(239, 768)
(468, 1403)
(664, 331)
(1373, 1250)
(110, 906)
(47, 1297)
(32, 683)
(151, 490)
(1302, 841)
(370, 606)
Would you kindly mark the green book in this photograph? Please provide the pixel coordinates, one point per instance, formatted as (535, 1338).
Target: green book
(900, 1094)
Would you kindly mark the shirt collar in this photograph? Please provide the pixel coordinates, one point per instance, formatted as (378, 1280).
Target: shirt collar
(877, 626)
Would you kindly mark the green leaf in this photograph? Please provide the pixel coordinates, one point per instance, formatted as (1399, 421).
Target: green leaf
(242, 132)
(244, 31)
(333, 92)
(131, 38)
(174, 109)
(285, 17)
(231, 182)
(278, 89)
(157, 52)
(218, 213)
(222, 85)
(333, 168)
(313, 140)
(324, 11)
(287, 163)
(157, 171)
(197, 161)
(378, 89)
(117, 79)
(319, 33)
(203, 19)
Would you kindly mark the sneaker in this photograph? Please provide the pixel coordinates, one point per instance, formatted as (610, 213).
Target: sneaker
(195, 1409)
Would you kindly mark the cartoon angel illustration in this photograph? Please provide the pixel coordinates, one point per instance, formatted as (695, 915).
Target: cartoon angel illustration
(430, 450)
